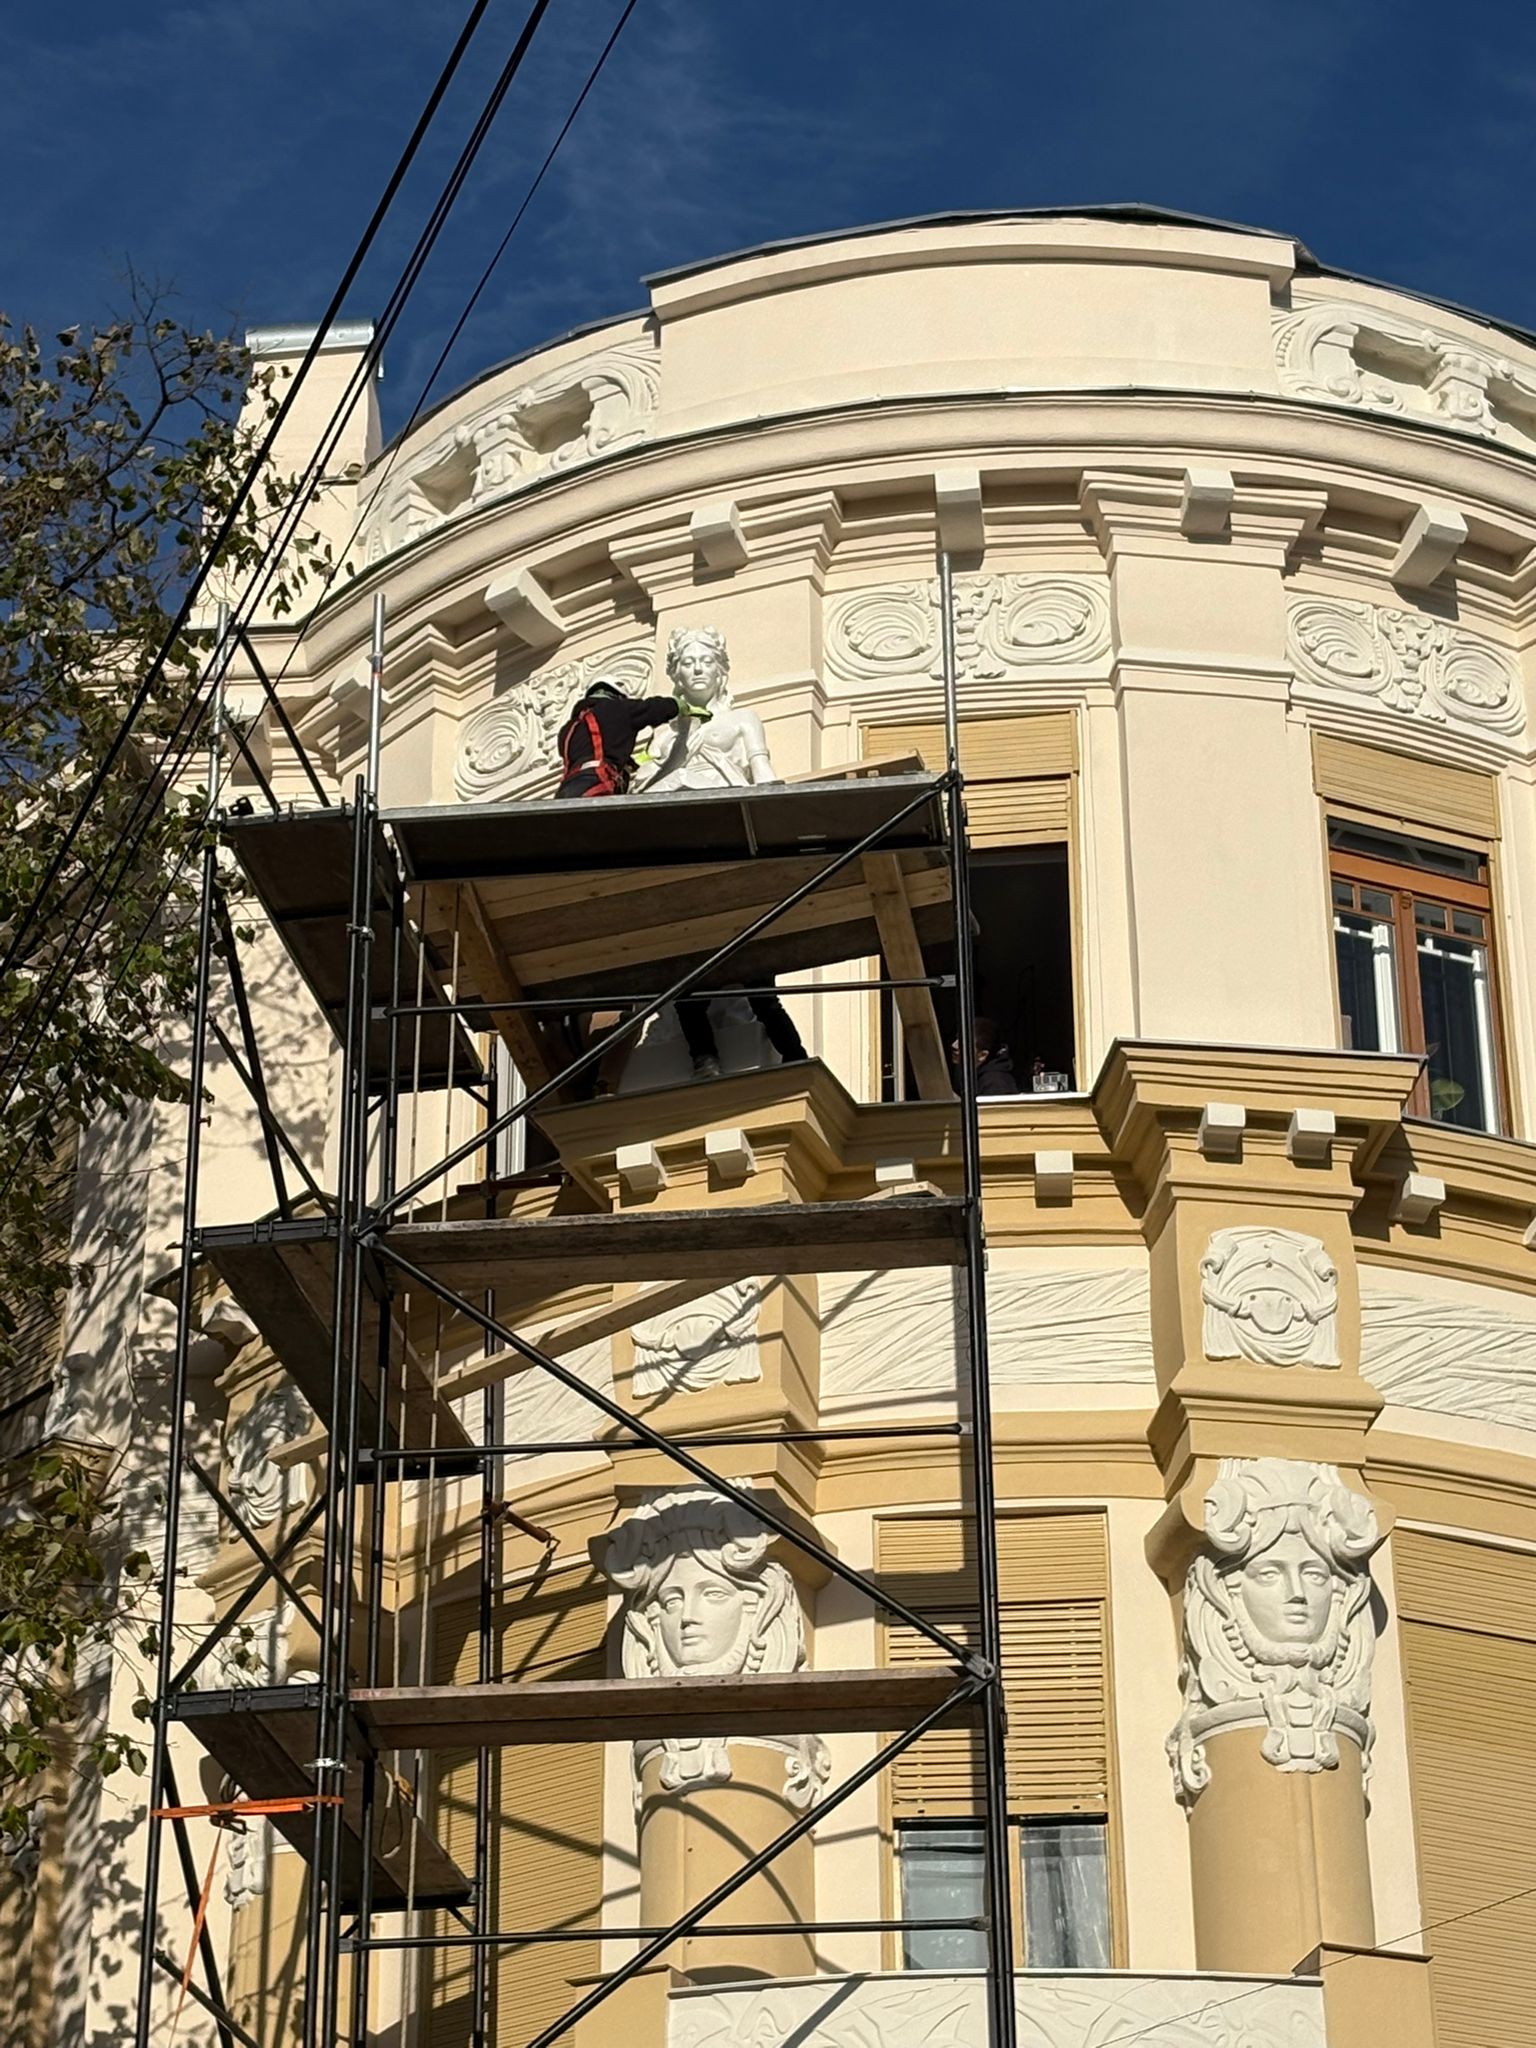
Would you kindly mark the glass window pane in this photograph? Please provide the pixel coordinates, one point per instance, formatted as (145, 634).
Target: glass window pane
(1366, 955)
(1066, 1895)
(1376, 901)
(1458, 1033)
(942, 1879)
(1344, 895)
(1430, 916)
(1468, 922)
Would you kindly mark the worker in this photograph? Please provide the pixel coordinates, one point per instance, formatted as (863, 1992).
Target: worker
(778, 1028)
(597, 741)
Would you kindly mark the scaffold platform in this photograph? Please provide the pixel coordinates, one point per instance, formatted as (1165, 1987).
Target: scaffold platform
(263, 1737)
(438, 1717)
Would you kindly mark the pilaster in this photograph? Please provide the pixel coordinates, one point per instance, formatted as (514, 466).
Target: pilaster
(1225, 870)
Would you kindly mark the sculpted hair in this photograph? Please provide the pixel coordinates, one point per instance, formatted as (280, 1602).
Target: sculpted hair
(710, 638)
(724, 1541)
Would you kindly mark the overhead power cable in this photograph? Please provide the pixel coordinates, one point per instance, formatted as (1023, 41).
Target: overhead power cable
(470, 304)
(26, 925)
(183, 736)
(397, 301)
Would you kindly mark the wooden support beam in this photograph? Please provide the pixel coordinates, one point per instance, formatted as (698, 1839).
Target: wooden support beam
(484, 963)
(587, 1328)
(904, 962)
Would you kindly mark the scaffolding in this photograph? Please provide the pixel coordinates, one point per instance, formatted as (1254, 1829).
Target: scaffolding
(802, 875)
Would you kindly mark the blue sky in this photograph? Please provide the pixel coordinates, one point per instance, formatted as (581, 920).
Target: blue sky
(234, 152)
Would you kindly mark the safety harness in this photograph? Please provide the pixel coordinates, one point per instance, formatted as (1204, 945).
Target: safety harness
(608, 779)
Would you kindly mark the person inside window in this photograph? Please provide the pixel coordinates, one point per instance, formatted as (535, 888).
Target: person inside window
(994, 1062)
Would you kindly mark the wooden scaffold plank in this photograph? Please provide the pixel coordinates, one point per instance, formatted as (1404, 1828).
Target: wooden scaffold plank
(548, 1711)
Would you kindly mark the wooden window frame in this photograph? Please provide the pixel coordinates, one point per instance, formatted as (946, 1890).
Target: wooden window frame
(1405, 885)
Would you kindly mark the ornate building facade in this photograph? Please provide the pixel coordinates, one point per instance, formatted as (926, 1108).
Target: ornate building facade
(1245, 604)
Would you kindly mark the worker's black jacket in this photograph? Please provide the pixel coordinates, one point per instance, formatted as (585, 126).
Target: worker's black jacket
(597, 741)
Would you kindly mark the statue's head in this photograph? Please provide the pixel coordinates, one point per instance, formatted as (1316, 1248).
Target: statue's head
(1290, 1542)
(702, 1595)
(698, 666)
(1278, 1631)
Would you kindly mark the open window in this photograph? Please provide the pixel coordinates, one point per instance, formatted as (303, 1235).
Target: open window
(1413, 943)
(1021, 953)
(1020, 803)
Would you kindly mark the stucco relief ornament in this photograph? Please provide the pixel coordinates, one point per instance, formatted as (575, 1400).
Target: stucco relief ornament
(1278, 1632)
(711, 1343)
(1407, 662)
(574, 414)
(259, 1487)
(1271, 1296)
(716, 743)
(1360, 355)
(703, 1599)
(511, 740)
(1005, 626)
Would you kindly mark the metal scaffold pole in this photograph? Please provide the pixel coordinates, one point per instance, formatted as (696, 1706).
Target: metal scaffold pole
(159, 1777)
(325, 1907)
(994, 1727)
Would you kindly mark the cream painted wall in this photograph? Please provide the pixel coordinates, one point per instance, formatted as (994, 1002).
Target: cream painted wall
(1082, 369)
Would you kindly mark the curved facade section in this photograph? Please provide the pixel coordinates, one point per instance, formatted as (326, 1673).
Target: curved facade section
(1242, 625)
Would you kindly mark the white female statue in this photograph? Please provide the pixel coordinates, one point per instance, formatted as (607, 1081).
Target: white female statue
(716, 744)
(703, 1599)
(1278, 1632)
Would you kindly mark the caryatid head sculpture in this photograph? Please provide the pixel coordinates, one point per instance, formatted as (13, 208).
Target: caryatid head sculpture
(703, 1599)
(1278, 1631)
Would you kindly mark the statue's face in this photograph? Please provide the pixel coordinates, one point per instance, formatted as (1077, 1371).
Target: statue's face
(1287, 1591)
(696, 672)
(702, 1618)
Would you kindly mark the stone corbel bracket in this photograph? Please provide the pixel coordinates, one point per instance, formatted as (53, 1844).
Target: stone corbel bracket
(525, 608)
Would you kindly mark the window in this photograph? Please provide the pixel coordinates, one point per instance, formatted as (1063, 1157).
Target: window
(1021, 954)
(1054, 1582)
(1021, 804)
(1061, 1894)
(1412, 929)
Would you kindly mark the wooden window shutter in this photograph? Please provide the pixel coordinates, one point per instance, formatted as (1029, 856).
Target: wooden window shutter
(1405, 792)
(1468, 1617)
(1019, 772)
(1054, 1581)
(547, 1803)
(38, 1339)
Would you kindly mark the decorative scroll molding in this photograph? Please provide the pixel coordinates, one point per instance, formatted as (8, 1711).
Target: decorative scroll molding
(904, 1333)
(259, 1487)
(1406, 662)
(702, 1598)
(1082, 2010)
(1452, 1358)
(710, 1343)
(1271, 1296)
(1278, 1632)
(1350, 354)
(1005, 626)
(594, 407)
(510, 742)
